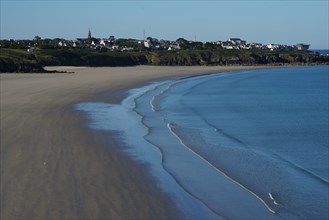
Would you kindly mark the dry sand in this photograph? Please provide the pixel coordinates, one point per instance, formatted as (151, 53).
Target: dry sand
(52, 167)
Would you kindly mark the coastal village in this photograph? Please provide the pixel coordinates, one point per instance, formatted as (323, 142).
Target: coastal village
(33, 55)
(148, 43)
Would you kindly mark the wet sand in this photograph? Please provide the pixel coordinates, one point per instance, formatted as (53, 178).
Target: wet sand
(53, 167)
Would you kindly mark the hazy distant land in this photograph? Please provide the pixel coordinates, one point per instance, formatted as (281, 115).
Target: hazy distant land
(33, 55)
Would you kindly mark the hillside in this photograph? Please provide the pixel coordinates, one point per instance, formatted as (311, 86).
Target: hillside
(18, 60)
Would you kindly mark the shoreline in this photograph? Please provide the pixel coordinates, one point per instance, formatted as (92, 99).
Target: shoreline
(52, 166)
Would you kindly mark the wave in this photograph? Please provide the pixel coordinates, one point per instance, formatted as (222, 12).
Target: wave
(141, 109)
(260, 175)
(174, 83)
(142, 119)
(236, 142)
(171, 129)
(178, 181)
(279, 208)
(302, 169)
(155, 99)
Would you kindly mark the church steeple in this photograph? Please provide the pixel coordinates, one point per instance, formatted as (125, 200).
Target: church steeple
(89, 36)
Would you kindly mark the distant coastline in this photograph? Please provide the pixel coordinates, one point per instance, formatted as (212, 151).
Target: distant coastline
(22, 61)
(321, 51)
(30, 56)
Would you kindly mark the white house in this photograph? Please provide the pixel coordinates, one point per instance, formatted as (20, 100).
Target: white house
(105, 43)
(237, 41)
(245, 46)
(31, 50)
(173, 46)
(62, 43)
(256, 45)
(148, 44)
(115, 47)
(273, 47)
(228, 45)
(76, 44)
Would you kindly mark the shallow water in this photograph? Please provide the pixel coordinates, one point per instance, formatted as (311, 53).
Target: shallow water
(248, 145)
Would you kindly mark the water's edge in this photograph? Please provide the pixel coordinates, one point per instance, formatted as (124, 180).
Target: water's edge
(200, 184)
(124, 118)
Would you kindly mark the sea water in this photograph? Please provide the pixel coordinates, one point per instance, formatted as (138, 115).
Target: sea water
(246, 145)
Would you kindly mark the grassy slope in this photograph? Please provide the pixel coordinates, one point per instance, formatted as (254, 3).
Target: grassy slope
(16, 60)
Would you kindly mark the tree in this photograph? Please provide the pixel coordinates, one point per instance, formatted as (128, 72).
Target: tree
(212, 46)
(182, 40)
(4, 43)
(183, 43)
(37, 38)
(196, 45)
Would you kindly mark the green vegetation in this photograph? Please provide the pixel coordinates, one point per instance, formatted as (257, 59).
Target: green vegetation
(19, 60)
(86, 57)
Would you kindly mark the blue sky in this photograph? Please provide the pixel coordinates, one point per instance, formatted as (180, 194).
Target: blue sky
(285, 22)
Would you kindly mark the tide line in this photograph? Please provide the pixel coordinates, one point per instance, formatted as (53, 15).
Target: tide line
(302, 169)
(169, 125)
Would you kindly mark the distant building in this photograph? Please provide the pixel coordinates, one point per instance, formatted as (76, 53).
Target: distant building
(76, 44)
(302, 47)
(273, 47)
(89, 37)
(127, 49)
(148, 44)
(63, 43)
(115, 47)
(256, 45)
(227, 45)
(105, 43)
(237, 41)
(234, 43)
(31, 50)
(173, 45)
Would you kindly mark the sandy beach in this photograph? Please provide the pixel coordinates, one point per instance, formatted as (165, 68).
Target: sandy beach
(53, 167)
